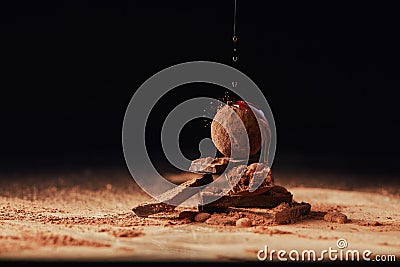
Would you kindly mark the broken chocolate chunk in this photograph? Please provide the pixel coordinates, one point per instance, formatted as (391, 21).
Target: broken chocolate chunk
(269, 199)
(336, 217)
(217, 165)
(209, 165)
(250, 180)
(177, 195)
(284, 213)
(146, 209)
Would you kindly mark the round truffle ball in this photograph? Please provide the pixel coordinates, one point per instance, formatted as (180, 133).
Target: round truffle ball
(226, 125)
(243, 222)
(202, 217)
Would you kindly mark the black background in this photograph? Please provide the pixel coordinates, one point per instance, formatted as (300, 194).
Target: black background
(329, 71)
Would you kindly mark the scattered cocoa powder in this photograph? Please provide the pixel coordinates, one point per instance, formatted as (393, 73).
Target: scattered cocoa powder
(269, 231)
(126, 233)
(45, 239)
(222, 219)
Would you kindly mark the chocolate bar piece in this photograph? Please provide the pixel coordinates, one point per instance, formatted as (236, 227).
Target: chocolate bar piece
(284, 213)
(146, 209)
(217, 165)
(250, 180)
(292, 213)
(209, 165)
(272, 197)
(177, 195)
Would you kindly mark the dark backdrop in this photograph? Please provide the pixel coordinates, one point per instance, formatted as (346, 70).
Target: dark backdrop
(330, 72)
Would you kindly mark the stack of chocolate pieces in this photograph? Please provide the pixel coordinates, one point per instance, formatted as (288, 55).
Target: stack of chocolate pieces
(252, 191)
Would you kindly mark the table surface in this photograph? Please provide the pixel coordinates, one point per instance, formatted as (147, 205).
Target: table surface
(86, 216)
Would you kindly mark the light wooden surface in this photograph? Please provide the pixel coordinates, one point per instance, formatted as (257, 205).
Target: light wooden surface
(93, 221)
